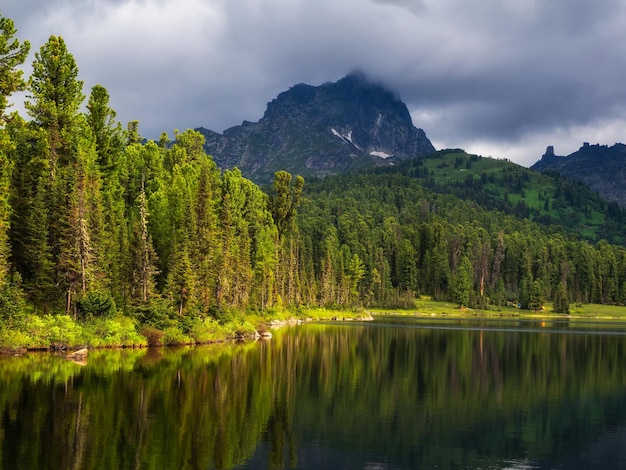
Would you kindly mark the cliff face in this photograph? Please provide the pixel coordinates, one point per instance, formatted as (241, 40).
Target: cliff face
(319, 131)
(600, 167)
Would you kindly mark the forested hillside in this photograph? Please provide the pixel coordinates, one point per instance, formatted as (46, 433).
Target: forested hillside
(549, 198)
(383, 238)
(97, 223)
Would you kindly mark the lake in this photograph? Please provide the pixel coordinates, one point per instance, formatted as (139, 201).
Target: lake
(396, 393)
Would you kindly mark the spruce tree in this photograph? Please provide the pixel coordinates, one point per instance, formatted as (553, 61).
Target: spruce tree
(55, 97)
(463, 282)
(69, 187)
(12, 55)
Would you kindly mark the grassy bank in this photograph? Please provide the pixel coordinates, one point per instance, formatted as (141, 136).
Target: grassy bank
(61, 332)
(426, 307)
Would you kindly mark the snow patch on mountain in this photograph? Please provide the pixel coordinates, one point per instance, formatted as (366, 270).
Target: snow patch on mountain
(345, 137)
(380, 153)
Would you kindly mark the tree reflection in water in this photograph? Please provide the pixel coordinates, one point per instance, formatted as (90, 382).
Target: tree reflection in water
(358, 396)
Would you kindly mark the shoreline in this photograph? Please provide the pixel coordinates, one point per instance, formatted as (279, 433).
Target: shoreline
(259, 326)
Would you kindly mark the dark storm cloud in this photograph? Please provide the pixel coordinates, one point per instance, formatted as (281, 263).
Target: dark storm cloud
(500, 77)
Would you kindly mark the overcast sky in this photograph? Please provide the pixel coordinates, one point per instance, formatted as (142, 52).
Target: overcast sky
(501, 78)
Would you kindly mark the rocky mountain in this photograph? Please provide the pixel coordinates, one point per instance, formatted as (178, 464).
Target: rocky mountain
(348, 125)
(600, 167)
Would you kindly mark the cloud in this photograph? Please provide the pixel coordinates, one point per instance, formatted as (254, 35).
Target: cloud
(497, 75)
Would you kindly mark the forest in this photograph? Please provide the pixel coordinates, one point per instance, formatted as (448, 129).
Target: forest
(98, 224)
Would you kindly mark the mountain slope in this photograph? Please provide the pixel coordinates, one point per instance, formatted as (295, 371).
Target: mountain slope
(348, 125)
(548, 199)
(600, 167)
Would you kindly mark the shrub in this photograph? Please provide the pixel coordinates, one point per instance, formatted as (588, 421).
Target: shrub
(14, 339)
(96, 305)
(153, 335)
(53, 331)
(244, 329)
(12, 305)
(208, 330)
(158, 313)
(173, 336)
(119, 331)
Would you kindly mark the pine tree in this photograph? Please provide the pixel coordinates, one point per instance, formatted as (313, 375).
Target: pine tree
(561, 300)
(206, 238)
(55, 97)
(69, 187)
(463, 282)
(285, 200)
(5, 211)
(145, 270)
(108, 134)
(12, 55)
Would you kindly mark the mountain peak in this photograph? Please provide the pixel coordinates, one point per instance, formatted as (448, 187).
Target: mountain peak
(600, 167)
(333, 128)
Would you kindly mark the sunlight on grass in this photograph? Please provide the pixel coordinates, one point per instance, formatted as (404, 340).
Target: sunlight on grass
(428, 307)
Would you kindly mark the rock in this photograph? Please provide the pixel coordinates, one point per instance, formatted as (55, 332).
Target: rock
(80, 354)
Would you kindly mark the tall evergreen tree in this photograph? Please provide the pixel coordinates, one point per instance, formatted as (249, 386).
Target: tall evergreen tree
(69, 187)
(108, 134)
(285, 200)
(207, 234)
(12, 55)
(55, 97)
(145, 258)
(463, 282)
(109, 147)
(561, 300)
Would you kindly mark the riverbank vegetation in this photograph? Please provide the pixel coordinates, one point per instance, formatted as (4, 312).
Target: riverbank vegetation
(425, 307)
(109, 239)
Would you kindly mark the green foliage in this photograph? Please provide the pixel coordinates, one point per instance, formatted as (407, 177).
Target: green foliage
(243, 329)
(531, 296)
(12, 338)
(12, 55)
(173, 336)
(118, 331)
(153, 335)
(52, 331)
(55, 91)
(498, 184)
(286, 197)
(13, 307)
(96, 304)
(561, 301)
(208, 330)
(157, 313)
(463, 282)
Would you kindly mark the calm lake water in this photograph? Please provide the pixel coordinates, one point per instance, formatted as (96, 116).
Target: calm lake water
(397, 393)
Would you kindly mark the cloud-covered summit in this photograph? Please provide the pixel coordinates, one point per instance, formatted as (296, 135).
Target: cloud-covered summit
(501, 78)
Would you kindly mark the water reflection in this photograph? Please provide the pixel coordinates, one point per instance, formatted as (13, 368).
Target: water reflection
(395, 396)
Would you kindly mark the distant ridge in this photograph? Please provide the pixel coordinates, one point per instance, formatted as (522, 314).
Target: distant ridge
(600, 167)
(333, 128)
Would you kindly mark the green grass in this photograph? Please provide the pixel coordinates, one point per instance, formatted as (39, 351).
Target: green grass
(426, 307)
(500, 183)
